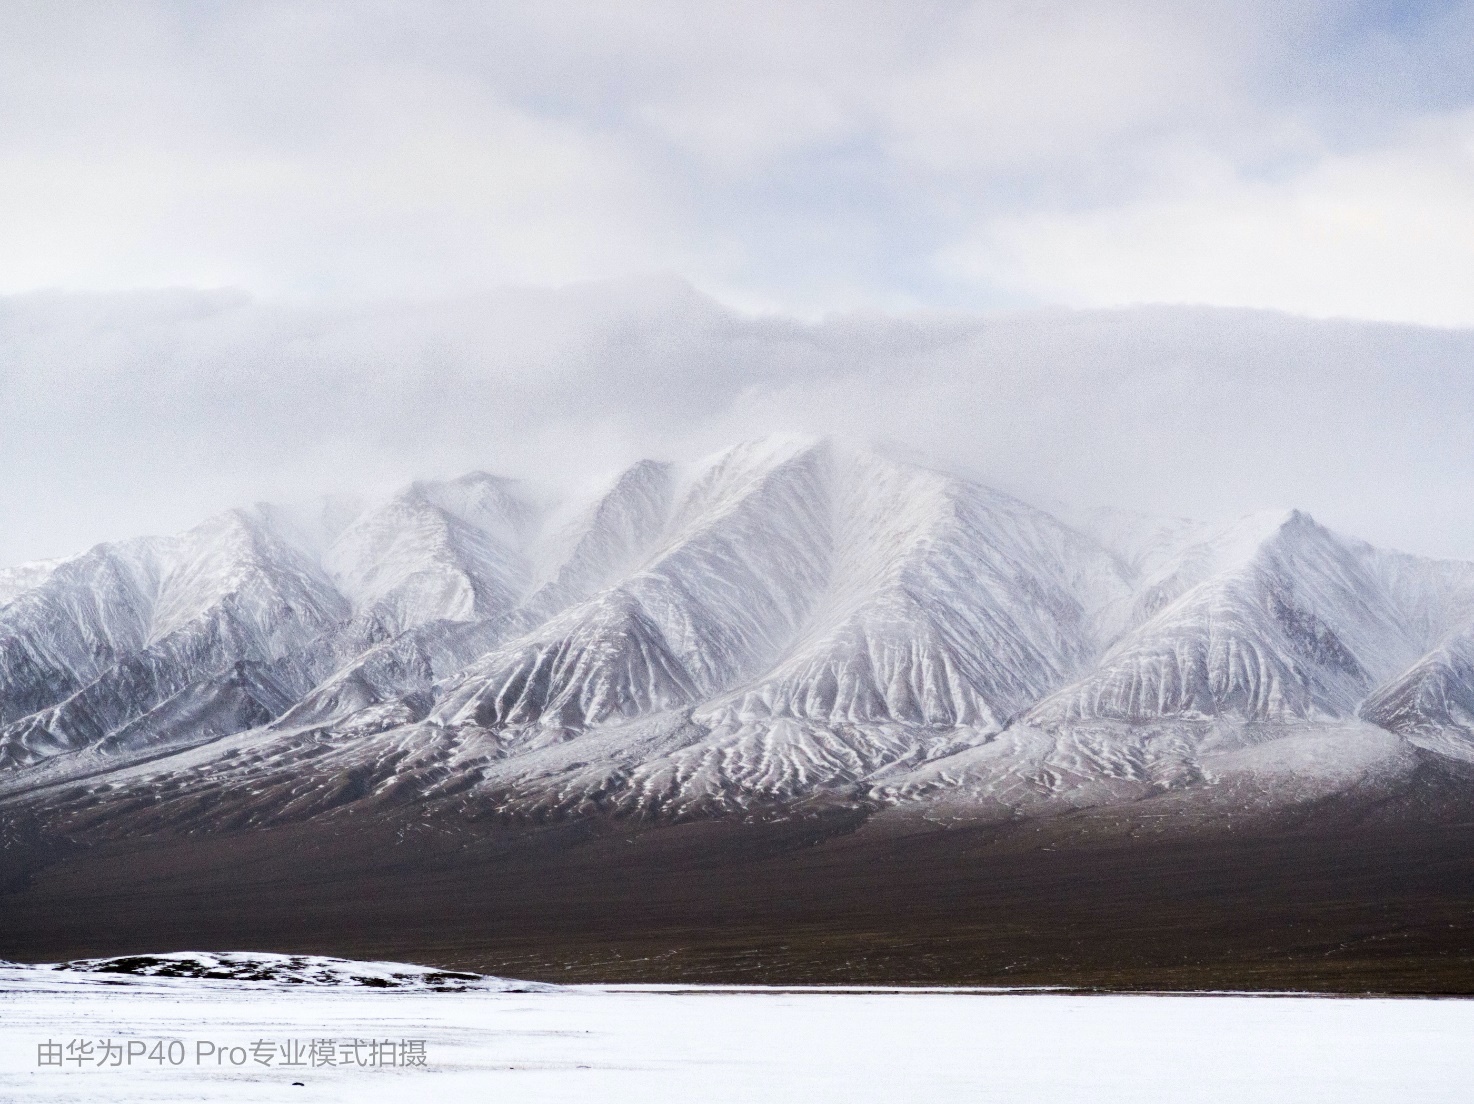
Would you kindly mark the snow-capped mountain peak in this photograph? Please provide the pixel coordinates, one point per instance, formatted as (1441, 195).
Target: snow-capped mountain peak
(787, 618)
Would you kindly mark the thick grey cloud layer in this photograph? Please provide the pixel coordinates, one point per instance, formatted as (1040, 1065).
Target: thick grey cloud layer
(142, 412)
(1314, 156)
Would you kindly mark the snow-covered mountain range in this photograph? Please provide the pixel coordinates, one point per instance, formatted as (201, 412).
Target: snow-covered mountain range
(789, 621)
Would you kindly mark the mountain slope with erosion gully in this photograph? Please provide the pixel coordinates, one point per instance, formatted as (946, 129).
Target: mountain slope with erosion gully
(796, 711)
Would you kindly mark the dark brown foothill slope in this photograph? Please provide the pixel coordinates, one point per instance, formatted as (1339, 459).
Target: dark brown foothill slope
(1365, 892)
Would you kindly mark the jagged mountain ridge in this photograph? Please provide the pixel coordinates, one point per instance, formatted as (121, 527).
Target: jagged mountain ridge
(787, 619)
(1296, 628)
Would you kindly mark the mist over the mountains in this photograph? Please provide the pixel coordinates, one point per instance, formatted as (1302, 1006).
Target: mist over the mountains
(141, 412)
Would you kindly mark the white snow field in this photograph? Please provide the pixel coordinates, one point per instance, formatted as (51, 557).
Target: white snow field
(495, 1043)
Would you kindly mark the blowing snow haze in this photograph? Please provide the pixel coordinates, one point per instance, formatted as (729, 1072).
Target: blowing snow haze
(142, 412)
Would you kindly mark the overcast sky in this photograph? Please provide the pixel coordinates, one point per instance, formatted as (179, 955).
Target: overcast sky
(897, 221)
(1304, 155)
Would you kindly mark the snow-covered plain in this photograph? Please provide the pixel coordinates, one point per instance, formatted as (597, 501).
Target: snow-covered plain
(616, 1044)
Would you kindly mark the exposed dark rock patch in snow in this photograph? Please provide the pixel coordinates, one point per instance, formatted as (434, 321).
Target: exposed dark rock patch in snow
(291, 970)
